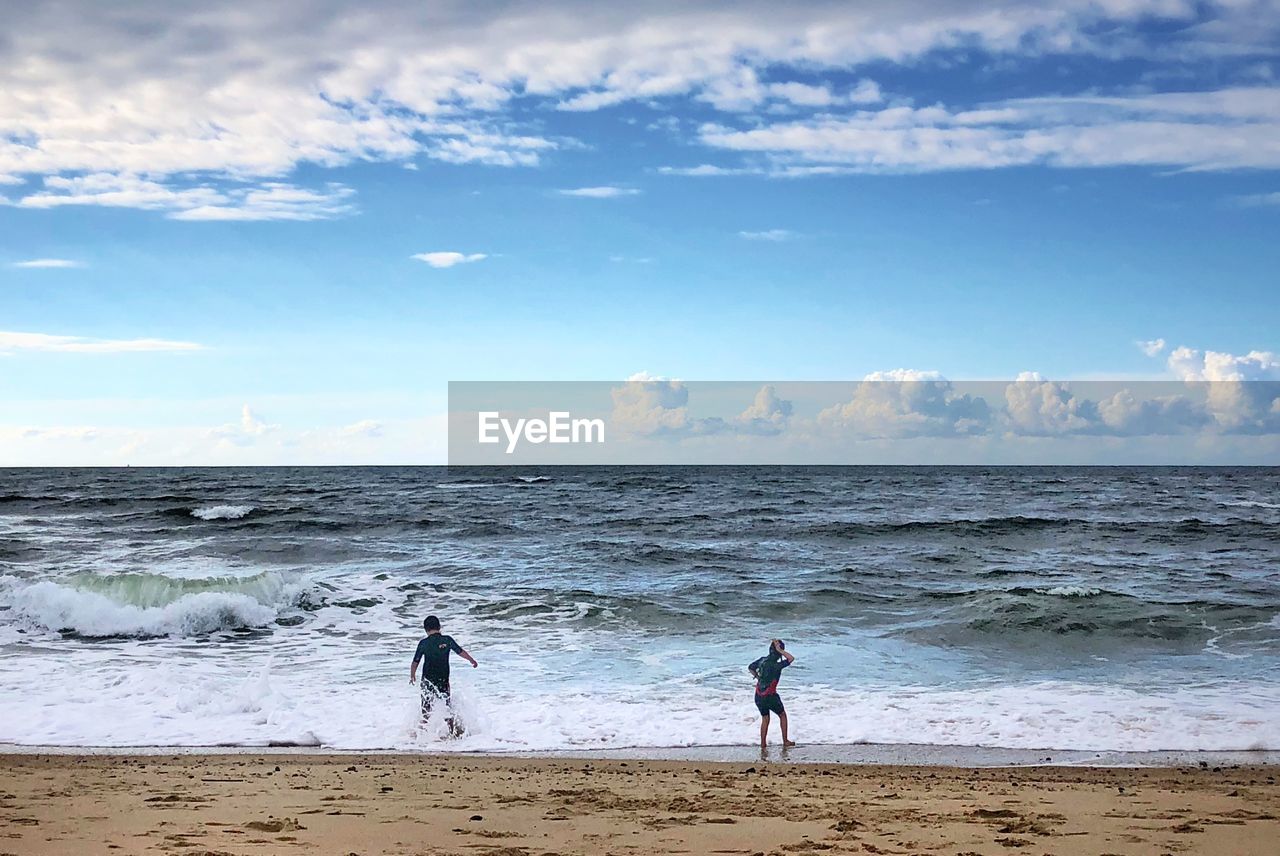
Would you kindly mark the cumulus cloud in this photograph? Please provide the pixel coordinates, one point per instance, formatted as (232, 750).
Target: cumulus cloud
(13, 342)
(47, 263)
(1243, 391)
(602, 192)
(449, 259)
(1152, 347)
(244, 432)
(907, 403)
(1125, 414)
(648, 405)
(1192, 365)
(1035, 406)
(767, 413)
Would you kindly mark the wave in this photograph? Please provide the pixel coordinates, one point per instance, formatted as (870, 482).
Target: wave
(222, 512)
(976, 526)
(148, 605)
(187, 704)
(17, 550)
(1077, 612)
(991, 526)
(1071, 591)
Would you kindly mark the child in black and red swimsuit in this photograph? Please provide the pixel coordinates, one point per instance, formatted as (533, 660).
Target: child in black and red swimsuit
(767, 670)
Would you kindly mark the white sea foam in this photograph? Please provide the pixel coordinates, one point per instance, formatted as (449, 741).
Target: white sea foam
(222, 512)
(148, 604)
(1071, 591)
(57, 607)
(215, 705)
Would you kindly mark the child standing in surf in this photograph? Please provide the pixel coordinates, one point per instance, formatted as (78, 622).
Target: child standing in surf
(435, 650)
(767, 671)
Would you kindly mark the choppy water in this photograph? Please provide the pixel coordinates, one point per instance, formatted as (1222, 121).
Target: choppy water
(1119, 609)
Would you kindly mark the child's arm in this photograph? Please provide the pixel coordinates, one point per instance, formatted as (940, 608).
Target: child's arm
(458, 649)
(413, 670)
(782, 652)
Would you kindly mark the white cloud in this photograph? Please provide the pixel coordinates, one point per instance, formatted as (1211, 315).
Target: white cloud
(12, 342)
(1243, 391)
(251, 425)
(1038, 407)
(648, 405)
(248, 430)
(803, 94)
(365, 428)
(48, 263)
(907, 403)
(767, 413)
(1259, 200)
(249, 440)
(267, 201)
(1192, 365)
(1151, 347)
(707, 169)
(448, 259)
(810, 95)
(602, 192)
(205, 106)
(1125, 414)
(275, 201)
(1216, 130)
(769, 235)
(866, 92)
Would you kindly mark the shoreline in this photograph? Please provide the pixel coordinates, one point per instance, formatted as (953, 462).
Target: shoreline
(357, 803)
(838, 754)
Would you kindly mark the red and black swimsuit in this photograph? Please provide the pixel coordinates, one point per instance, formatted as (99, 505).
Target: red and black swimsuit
(768, 670)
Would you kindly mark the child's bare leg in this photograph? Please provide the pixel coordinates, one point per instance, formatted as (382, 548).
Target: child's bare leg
(764, 730)
(782, 720)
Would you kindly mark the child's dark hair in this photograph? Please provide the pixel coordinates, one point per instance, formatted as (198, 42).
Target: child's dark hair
(430, 623)
(775, 652)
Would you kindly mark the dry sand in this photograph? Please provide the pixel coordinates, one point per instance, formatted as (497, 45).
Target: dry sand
(485, 806)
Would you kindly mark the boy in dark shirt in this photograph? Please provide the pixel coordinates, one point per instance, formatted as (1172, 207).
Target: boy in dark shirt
(767, 670)
(434, 650)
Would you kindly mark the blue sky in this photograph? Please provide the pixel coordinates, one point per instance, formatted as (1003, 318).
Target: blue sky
(208, 241)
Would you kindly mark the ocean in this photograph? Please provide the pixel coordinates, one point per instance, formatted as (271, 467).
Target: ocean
(1108, 609)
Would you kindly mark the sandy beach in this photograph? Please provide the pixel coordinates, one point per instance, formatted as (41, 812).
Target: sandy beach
(202, 805)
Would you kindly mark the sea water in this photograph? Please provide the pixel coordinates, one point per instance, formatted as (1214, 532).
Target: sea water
(1103, 609)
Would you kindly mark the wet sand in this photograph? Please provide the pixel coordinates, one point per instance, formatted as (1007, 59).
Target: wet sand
(202, 805)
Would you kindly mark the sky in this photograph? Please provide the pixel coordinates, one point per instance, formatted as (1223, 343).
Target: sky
(246, 233)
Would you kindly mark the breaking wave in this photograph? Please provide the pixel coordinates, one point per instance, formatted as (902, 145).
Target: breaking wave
(147, 605)
(222, 512)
